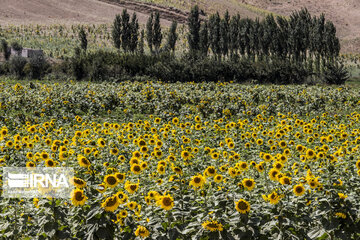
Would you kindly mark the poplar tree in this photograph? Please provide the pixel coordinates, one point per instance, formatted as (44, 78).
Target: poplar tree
(194, 29)
(157, 35)
(204, 39)
(149, 32)
(134, 29)
(83, 39)
(172, 36)
(116, 31)
(125, 30)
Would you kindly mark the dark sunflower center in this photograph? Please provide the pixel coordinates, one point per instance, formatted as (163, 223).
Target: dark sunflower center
(212, 225)
(197, 180)
(79, 196)
(167, 201)
(111, 180)
(298, 189)
(111, 202)
(242, 205)
(133, 187)
(248, 183)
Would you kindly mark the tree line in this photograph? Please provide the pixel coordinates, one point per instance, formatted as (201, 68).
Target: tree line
(300, 38)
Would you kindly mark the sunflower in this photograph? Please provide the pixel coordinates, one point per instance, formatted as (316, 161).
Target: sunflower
(120, 176)
(83, 161)
(215, 155)
(358, 164)
(123, 213)
(78, 182)
(153, 195)
(249, 184)
(212, 226)
(274, 198)
(101, 188)
(273, 174)
(218, 178)
(267, 157)
(78, 198)
(44, 155)
(50, 163)
(242, 206)
(299, 190)
(136, 168)
(310, 154)
(278, 165)
(111, 180)
(232, 172)
(161, 169)
(166, 202)
(132, 205)
(177, 170)
(142, 232)
(114, 151)
(131, 187)
(259, 167)
(30, 164)
(101, 142)
(185, 155)
(342, 196)
(243, 166)
(197, 181)
(285, 180)
(111, 203)
(210, 171)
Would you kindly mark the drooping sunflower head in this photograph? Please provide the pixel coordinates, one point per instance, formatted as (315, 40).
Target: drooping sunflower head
(142, 232)
(78, 198)
(213, 226)
(111, 203)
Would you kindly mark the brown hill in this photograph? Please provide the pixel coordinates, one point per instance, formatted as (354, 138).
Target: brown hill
(345, 13)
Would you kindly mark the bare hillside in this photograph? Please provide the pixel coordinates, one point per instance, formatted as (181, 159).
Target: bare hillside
(63, 11)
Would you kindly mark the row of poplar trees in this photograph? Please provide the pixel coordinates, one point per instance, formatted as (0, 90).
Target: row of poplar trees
(299, 38)
(125, 34)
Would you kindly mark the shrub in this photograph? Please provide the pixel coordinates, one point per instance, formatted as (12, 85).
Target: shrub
(17, 64)
(36, 67)
(335, 73)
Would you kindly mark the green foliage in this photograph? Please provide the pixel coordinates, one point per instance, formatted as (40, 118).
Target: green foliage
(17, 47)
(126, 30)
(5, 49)
(157, 35)
(116, 31)
(83, 39)
(172, 37)
(134, 28)
(17, 64)
(150, 32)
(336, 73)
(194, 29)
(37, 67)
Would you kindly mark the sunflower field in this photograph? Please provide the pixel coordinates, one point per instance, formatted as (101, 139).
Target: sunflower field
(184, 160)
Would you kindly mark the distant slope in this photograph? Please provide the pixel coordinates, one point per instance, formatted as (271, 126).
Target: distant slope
(345, 13)
(60, 11)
